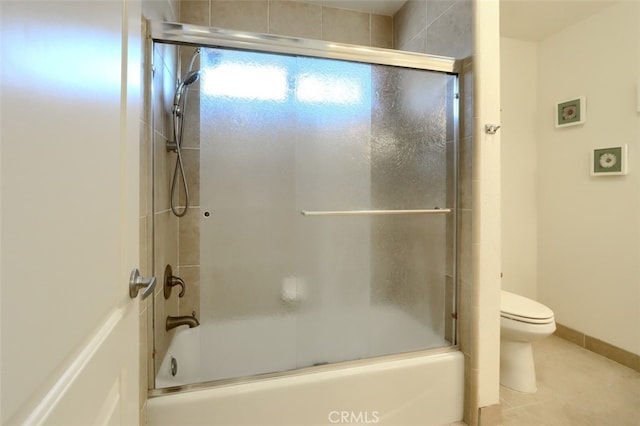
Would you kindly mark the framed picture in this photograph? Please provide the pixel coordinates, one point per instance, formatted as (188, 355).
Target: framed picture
(609, 161)
(571, 112)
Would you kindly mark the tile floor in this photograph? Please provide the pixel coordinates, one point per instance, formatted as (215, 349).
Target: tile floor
(575, 387)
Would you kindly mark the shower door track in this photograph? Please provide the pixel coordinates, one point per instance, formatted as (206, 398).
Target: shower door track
(191, 387)
(198, 35)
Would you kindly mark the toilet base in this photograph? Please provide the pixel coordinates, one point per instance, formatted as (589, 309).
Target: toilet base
(517, 370)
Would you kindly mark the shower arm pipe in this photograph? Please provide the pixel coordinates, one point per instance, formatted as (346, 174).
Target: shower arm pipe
(199, 35)
(372, 212)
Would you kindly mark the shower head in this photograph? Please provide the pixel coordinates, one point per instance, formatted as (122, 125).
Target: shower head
(188, 79)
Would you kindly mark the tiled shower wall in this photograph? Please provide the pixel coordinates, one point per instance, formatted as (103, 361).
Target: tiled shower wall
(176, 240)
(291, 18)
(286, 18)
(161, 65)
(158, 71)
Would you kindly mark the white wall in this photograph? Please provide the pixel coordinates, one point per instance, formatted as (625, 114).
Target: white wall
(518, 81)
(486, 210)
(588, 228)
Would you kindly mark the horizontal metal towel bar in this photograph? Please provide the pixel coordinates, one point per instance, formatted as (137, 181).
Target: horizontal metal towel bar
(372, 212)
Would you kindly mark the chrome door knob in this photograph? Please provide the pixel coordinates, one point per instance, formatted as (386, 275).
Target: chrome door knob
(137, 282)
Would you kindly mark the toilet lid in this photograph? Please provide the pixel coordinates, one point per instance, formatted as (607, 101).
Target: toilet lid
(523, 309)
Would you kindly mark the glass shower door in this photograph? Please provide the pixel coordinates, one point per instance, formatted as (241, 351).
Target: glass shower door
(300, 159)
(247, 191)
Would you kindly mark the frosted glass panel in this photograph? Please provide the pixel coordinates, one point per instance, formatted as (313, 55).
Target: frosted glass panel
(283, 134)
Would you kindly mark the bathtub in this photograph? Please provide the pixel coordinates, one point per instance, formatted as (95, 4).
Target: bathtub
(419, 388)
(213, 350)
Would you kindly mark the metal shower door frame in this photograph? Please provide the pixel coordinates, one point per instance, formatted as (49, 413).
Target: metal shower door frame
(203, 36)
(198, 35)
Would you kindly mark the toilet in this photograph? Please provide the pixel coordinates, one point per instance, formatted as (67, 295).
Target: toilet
(522, 321)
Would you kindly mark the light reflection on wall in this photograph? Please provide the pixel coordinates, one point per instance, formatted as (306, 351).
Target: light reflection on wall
(68, 61)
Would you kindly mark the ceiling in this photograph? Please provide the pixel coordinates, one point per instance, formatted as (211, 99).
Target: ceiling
(530, 20)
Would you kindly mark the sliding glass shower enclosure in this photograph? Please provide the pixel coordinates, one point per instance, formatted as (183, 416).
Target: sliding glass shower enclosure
(326, 205)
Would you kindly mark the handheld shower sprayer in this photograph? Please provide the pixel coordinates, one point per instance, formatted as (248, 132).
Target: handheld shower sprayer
(189, 78)
(178, 110)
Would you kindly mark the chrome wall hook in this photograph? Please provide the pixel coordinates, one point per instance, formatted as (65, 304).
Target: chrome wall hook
(491, 129)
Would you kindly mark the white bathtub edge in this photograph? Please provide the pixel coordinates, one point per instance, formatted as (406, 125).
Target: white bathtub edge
(424, 390)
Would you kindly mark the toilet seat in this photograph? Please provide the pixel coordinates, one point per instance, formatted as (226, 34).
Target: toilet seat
(522, 309)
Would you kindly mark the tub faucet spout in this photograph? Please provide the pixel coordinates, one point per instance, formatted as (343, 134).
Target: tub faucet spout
(173, 322)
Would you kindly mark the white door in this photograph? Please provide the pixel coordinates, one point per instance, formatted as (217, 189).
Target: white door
(70, 114)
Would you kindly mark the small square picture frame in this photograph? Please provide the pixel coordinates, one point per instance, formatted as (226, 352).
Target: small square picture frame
(610, 161)
(571, 112)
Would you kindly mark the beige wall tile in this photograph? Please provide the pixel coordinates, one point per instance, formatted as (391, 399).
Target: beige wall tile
(191, 161)
(295, 19)
(195, 12)
(171, 241)
(161, 337)
(145, 246)
(345, 26)
(166, 253)
(145, 170)
(435, 9)
(189, 238)
(471, 393)
(163, 173)
(150, 343)
(451, 33)
(417, 44)
(465, 246)
(449, 331)
(465, 299)
(408, 23)
(466, 95)
(490, 415)
(191, 300)
(163, 88)
(160, 10)
(381, 31)
(246, 15)
(465, 174)
(143, 352)
(191, 130)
